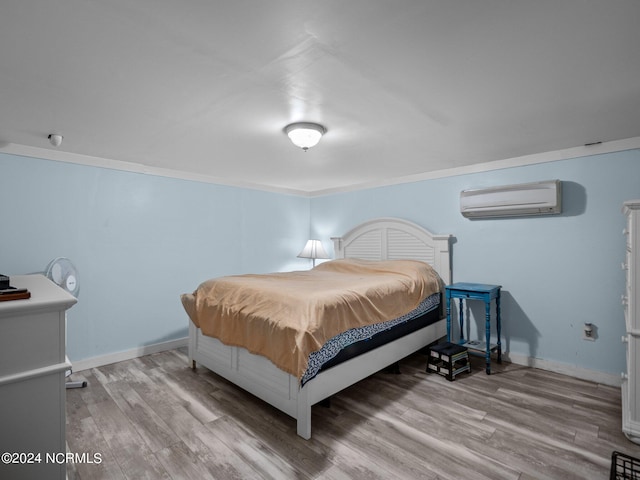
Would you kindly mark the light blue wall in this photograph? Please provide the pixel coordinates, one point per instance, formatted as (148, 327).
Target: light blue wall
(557, 272)
(139, 241)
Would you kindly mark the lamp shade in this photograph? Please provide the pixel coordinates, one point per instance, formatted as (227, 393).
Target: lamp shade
(304, 135)
(313, 249)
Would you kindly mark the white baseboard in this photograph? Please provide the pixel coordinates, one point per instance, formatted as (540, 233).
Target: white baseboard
(564, 369)
(101, 360)
(570, 370)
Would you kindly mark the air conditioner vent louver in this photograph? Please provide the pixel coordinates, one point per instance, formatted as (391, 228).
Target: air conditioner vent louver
(537, 198)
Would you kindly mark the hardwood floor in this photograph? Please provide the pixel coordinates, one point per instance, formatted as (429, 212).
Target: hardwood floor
(155, 418)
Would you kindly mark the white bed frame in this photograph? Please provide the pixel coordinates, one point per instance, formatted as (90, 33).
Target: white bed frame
(380, 239)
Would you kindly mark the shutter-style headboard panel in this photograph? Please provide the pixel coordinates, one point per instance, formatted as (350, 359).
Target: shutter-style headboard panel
(393, 239)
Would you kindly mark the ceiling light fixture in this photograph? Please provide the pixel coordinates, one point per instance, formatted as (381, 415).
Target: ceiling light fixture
(304, 134)
(55, 139)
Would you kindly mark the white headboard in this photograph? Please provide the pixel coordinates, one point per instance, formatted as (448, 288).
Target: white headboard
(394, 239)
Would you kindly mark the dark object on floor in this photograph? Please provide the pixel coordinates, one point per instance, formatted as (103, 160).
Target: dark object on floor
(393, 368)
(448, 360)
(624, 467)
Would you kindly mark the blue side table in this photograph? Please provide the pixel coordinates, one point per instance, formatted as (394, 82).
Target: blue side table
(486, 293)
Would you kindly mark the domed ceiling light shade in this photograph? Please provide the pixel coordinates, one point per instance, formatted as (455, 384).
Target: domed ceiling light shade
(304, 134)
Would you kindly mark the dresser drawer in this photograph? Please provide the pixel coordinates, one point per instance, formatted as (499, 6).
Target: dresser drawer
(32, 341)
(627, 231)
(631, 296)
(632, 343)
(465, 295)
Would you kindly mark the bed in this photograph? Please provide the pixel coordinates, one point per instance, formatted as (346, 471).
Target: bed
(376, 240)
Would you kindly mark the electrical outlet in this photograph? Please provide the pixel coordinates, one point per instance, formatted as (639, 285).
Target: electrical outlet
(589, 332)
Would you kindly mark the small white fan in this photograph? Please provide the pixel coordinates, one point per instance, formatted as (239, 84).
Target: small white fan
(64, 274)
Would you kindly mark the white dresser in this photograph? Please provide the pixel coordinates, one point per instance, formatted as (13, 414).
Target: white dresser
(32, 380)
(631, 302)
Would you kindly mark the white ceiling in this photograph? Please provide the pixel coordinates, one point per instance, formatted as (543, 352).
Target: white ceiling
(205, 87)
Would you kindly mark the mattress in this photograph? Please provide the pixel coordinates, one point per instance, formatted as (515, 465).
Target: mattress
(357, 341)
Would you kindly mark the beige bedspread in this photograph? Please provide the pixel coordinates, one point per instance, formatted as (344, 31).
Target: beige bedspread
(286, 316)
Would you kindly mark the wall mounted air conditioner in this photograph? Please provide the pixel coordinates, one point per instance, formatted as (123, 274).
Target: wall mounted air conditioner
(538, 198)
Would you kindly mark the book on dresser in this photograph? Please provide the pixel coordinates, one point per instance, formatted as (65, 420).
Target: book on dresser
(14, 293)
(7, 292)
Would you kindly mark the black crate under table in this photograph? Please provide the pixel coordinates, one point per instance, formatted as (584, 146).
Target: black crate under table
(449, 360)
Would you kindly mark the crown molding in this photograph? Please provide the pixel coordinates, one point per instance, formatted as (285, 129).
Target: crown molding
(545, 157)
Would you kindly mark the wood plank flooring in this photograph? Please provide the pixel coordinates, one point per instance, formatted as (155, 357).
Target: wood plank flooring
(153, 417)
